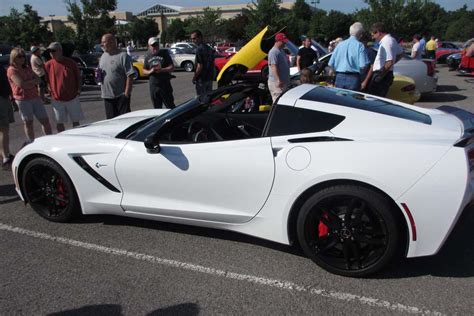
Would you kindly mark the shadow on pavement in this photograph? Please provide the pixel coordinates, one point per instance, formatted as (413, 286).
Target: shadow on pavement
(189, 309)
(442, 97)
(8, 191)
(448, 88)
(102, 309)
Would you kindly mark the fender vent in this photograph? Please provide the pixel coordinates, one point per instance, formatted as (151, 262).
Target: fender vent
(84, 165)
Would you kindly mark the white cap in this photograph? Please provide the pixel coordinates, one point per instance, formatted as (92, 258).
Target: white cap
(153, 40)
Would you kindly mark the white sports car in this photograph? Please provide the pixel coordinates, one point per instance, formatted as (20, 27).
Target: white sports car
(355, 180)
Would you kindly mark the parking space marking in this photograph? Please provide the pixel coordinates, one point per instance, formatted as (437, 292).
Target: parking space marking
(274, 283)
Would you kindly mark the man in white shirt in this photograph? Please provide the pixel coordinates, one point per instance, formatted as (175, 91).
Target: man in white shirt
(416, 51)
(388, 54)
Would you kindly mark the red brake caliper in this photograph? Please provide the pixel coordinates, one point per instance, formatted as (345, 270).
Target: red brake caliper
(322, 228)
(60, 190)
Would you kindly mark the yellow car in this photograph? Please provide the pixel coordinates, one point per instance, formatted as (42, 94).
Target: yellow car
(403, 89)
(138, 69)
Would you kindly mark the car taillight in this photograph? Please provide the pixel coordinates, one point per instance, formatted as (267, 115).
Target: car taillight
(408, 88)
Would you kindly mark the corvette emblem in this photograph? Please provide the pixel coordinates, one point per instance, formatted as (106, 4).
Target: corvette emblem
(98, 165)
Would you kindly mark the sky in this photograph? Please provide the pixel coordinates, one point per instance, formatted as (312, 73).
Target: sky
(58, 7)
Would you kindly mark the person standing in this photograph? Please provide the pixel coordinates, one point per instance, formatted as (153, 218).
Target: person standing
(24, 85)
(64, 81)
(6, 117)
(306, 55)
(117, 78)
(422, 45)
(204, 73)
(159, 65)
(430, 48)
(279, 68)
(388, 54)
(350, 60)
(37, 65)
(416, 49)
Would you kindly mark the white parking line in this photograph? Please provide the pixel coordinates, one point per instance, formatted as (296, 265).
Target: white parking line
(275, 283)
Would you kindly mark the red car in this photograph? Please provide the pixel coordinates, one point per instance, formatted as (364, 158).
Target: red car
(467, 65)
(446, 49)
(261, 69)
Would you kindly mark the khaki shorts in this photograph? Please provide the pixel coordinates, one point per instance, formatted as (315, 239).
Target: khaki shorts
(64, 109)
(6, 112)
(275, 91)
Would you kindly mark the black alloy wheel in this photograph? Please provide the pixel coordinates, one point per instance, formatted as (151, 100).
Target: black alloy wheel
(349, 230)
(49, 190)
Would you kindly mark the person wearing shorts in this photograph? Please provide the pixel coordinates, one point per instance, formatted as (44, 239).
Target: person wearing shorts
(24, 85)
(6, 117)
(64, 80)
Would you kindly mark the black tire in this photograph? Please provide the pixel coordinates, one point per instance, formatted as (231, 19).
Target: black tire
(136, 73)
(188, 66)
(265, 72)
(349, 230)
(49, 190)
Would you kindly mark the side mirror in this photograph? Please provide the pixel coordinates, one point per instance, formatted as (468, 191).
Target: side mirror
(152, 145)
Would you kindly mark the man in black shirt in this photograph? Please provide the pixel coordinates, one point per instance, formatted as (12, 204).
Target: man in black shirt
(159, 65)
(204, 73)
(306, 55)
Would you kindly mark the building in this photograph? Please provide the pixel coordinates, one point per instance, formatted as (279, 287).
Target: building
(55, 22)
(163, 14)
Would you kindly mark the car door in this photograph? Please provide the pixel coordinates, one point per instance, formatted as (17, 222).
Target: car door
(223, 181)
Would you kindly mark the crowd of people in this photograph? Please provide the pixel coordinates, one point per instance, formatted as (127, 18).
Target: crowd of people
(27, 86)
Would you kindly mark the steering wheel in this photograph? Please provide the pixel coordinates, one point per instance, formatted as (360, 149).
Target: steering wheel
(197, 132)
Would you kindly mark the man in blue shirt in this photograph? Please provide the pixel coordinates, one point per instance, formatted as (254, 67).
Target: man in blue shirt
(349, 60)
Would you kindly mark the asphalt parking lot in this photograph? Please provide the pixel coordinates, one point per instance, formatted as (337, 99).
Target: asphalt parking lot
(120, 266)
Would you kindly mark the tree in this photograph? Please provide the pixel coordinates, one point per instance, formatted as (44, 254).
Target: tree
(461, 25)
(175, 31)
(209, 23)
(92, 21)
(64, 35)
(297, 20)
(336, 24)
(23, 28)
(234, 29)
(262, 13)
(142, 29)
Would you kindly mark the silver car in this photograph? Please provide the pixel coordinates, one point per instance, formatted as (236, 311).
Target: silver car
(182, 59)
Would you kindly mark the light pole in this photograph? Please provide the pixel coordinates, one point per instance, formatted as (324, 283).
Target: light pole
(51, 21)
(314, 2)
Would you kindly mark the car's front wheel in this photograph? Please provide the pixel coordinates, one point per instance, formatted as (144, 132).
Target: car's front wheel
(136, 73)
(188, 66)
(349, 230)
(49, 190)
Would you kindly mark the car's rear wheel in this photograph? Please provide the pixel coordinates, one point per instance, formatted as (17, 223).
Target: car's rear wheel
(49, 190)
(188, 66)
(349, 230)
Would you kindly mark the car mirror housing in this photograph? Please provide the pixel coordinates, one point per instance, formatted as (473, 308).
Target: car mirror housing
(152, 145)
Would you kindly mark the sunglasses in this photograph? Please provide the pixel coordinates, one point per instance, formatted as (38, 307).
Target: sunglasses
(193, 38)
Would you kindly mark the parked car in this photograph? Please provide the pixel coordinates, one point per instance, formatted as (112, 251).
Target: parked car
(446, 49)
(425, 78)
(191, 47)
(182, 59)
(453, 61)
(351, 178)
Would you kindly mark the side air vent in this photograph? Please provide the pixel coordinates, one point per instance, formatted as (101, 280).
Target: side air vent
(84, 165)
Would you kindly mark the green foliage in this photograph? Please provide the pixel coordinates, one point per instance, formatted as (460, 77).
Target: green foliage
(262, 13)
(92, 21)
(23, 28)
(175, 32)
(140, 30)
(209, 23)
(233, 29)
(65, 35)
(297, 20)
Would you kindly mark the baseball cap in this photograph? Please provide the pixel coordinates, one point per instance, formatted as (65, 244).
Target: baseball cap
(55, 46)
(153, 40)
(281, 37)
(34, 48)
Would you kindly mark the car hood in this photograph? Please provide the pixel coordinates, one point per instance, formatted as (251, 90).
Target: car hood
(249, 56)
(112, 127)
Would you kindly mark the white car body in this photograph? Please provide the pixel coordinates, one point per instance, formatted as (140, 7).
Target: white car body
(252, 185)
(418, 71)
(184, 45)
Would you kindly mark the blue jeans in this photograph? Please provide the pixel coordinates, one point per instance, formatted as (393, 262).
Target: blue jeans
(348, 81)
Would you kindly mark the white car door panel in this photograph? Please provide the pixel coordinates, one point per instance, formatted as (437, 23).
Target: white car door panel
(219, 181)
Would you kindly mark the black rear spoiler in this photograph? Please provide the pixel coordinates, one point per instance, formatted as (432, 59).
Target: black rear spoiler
(467, 119)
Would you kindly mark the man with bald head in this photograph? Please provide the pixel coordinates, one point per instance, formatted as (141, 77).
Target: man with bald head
(116, 75)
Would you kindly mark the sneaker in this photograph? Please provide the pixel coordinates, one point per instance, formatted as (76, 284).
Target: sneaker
(7, 164)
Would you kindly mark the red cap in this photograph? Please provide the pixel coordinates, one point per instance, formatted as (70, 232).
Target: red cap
(281, 37)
